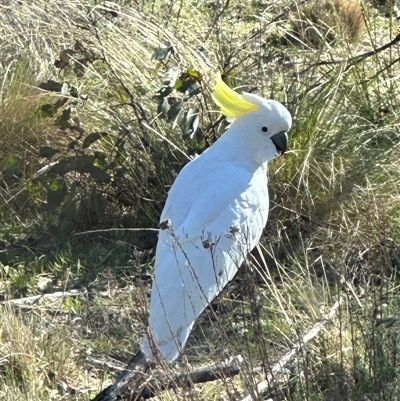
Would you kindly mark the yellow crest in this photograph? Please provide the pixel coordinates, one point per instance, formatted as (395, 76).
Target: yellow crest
(231, 103)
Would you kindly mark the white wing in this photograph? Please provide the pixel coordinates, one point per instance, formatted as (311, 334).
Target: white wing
(216, 214)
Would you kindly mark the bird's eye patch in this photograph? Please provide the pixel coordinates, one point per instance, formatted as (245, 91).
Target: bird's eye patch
(264, 129)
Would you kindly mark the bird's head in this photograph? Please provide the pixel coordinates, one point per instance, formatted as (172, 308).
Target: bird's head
(253, 113)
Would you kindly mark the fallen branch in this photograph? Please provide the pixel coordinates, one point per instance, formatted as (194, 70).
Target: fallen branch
(204, 375)
(109, 230)
(133, 385)
(35, 298)
(278, 366)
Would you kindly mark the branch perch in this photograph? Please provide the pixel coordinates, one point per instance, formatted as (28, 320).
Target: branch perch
(133, 385)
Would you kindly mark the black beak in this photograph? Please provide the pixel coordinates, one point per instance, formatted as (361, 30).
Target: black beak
(280, 141)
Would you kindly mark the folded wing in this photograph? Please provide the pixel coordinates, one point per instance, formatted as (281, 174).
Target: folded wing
(206, 236)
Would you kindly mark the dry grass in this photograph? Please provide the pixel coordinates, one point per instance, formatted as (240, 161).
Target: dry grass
(332, 231)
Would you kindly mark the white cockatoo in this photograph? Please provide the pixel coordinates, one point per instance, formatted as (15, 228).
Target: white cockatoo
(213, 217)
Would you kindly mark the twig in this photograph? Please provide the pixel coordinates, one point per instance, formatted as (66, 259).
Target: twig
(360, 57)
(106, 230)
(34, 298)
(277, 367)
(166, 139)
(94, 362)
(356, 59)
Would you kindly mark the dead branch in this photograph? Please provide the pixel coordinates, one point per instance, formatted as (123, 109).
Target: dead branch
(132, 384)
(356, 59)
(278, 366)
(109, 230)
(35, 298)
(128, 383)
(208, 374)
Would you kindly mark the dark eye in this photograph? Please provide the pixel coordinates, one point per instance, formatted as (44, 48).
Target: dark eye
(264, 129)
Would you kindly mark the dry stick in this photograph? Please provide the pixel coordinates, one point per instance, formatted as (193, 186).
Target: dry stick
(204, 375)
(356, 59)
(34, 298)
(107, 230)
(277, 367)
(134, 385)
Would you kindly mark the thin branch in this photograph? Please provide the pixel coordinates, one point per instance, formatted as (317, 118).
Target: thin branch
(35, 298)
(390, 65)
(106, 230)
(278, 366)
(356, 59)
(360, 57)
(204, 375)
(136, 383)
(166, 139)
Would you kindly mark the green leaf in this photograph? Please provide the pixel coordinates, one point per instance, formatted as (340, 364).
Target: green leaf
(64, 119)
(173, 75)
(12, 165)
(190, 122)
(35, 187)
(193, 90)
(96, 201)
(178, 84)
(47, 152)
(163, 107)
(93, 137)
(83, 164)
(98, 174)
(51, 86)
(163, 92)
(54, 185)
(190, 87)
(48, 110)
(101, 159)
(11, 160)
(193, 73)
(186, 84)
(174, 110)
(12, 172)
(161, 53)
(56, 192)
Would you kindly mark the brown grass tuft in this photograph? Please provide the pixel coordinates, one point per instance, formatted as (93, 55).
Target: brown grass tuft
(351, 13)
(329, 20)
